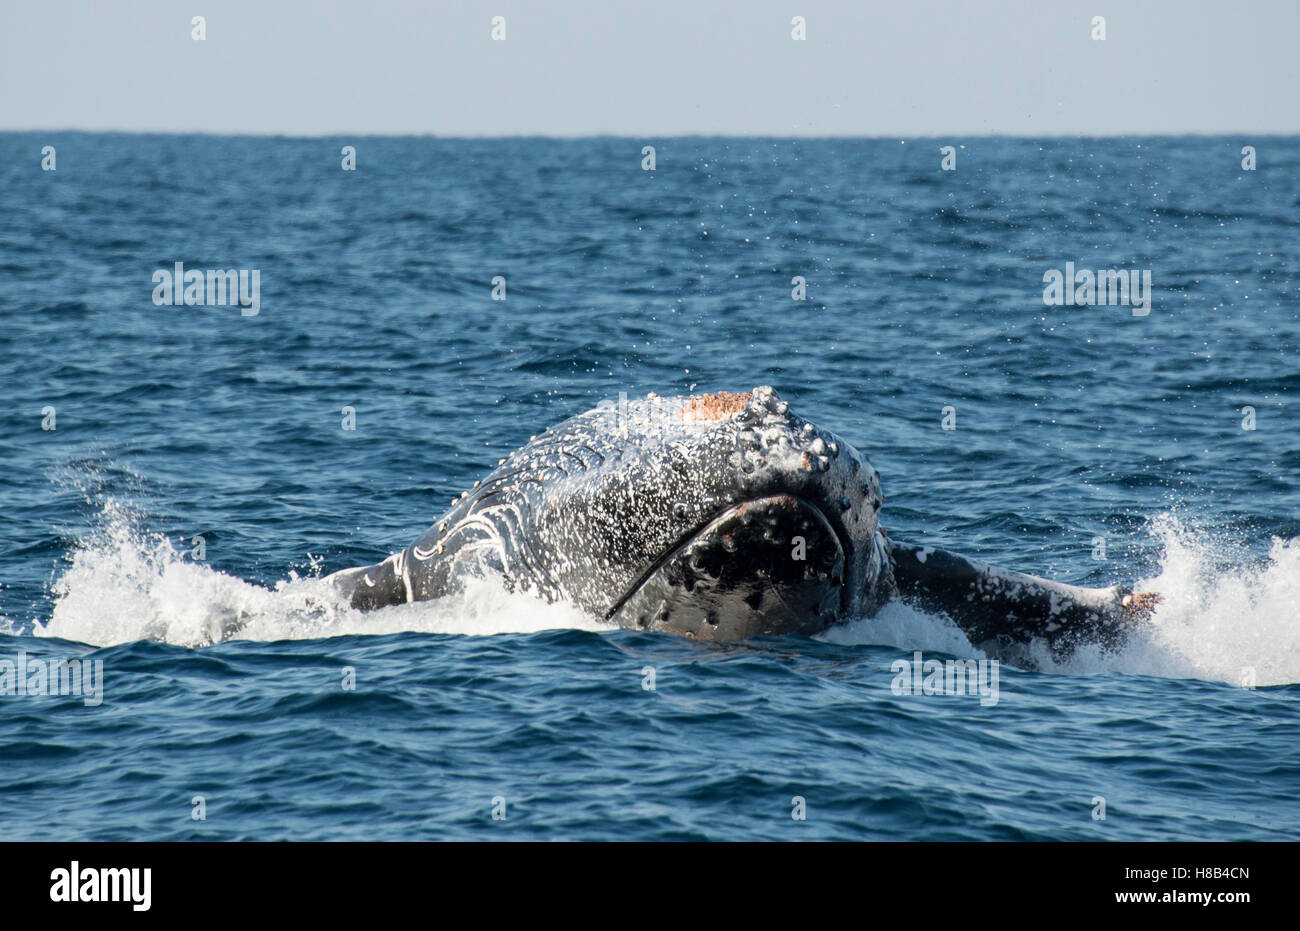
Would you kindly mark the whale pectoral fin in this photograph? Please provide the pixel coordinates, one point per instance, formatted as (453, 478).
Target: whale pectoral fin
(998, 607)
(369, 587)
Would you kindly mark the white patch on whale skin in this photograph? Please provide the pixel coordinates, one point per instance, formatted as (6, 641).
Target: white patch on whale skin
(402, 571)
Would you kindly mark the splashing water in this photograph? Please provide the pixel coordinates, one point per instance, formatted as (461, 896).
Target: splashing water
(1240, 625)
(125, 584)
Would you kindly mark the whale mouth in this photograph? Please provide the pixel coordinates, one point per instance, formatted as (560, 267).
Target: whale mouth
(768, 566)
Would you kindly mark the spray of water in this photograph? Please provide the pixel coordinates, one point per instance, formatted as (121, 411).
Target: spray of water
(125, 584)
(1236, 625)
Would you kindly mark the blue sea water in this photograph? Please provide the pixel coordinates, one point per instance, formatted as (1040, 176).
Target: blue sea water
(184, 431)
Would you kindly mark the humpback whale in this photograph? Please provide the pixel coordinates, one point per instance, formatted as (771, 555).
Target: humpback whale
(720, 517)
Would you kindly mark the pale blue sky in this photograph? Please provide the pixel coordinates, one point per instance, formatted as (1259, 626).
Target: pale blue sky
(572, 67)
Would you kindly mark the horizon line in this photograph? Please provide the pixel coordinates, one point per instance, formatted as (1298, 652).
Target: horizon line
(270, 134)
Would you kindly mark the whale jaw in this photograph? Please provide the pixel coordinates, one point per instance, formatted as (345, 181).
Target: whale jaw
(769, 566)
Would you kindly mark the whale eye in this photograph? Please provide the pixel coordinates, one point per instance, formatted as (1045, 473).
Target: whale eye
(680, 510)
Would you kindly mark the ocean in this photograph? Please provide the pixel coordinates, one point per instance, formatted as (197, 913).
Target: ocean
(166, 466)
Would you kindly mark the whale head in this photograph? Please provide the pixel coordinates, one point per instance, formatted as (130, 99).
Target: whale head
(720, 516)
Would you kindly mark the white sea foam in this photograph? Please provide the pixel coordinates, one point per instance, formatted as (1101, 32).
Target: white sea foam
(900, 625)
(1237, 625)
(124, 584)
